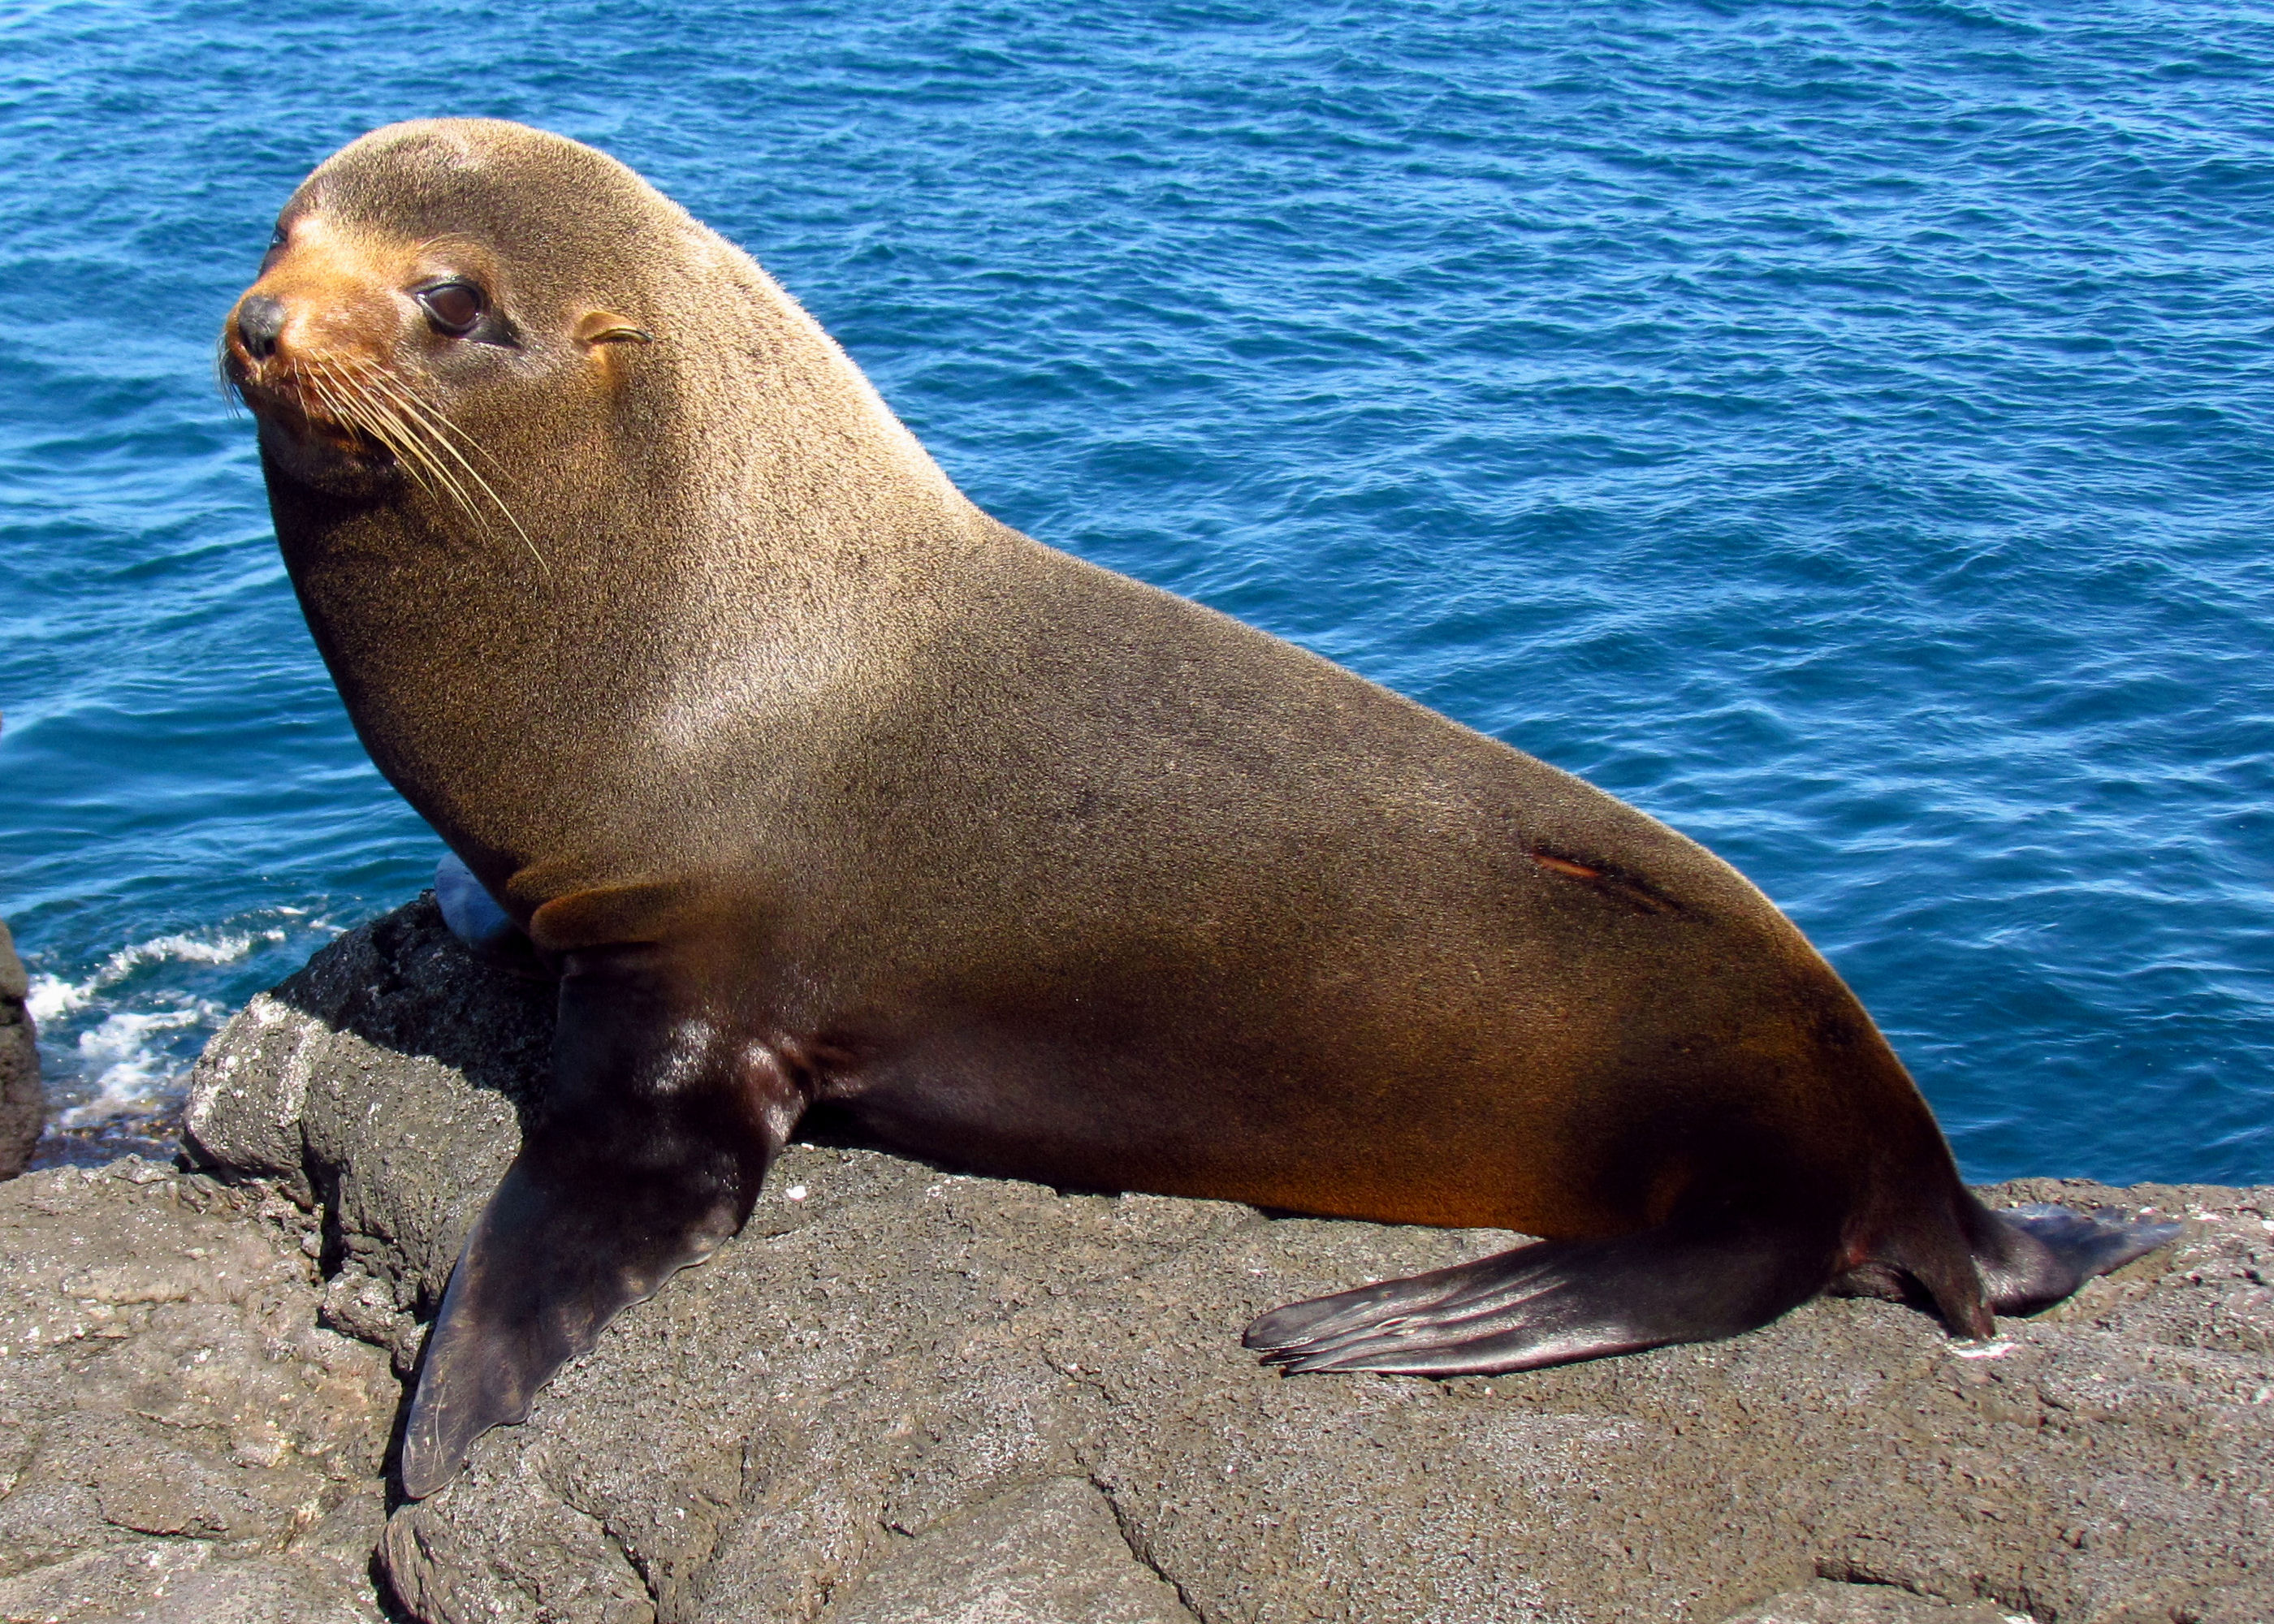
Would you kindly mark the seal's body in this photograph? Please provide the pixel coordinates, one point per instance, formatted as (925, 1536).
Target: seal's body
(819, 788)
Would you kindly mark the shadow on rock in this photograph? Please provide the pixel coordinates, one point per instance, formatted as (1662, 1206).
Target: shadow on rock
(386, 1085)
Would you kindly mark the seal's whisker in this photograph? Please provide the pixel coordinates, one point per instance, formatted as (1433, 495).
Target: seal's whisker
(384, 426)
(405, 440)
(333, 397)
(394, 389)
(410, 399)
(427, 418)
(439, 427)
(338, 403)
(419, 459)
(354, 406)
(231, 395)
(311, 382)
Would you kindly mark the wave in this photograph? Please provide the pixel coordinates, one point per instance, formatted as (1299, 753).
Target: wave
(118, 1041)
(52, 998)
(134, 1073)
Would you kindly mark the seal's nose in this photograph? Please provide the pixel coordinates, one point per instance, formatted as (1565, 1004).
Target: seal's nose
(259, 324)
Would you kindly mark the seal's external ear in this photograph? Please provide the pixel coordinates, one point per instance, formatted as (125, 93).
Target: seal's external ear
(605, 327)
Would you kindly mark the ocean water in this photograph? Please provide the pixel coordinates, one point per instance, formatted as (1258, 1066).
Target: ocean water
(1845, 431)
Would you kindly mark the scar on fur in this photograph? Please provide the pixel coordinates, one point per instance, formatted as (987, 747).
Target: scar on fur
(1634, 893)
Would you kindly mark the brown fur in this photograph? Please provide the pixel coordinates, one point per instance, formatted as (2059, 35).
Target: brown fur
(1014, 862)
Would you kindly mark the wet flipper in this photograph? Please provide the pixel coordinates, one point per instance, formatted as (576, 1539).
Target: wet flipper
(2030, 1258)
(648, 1156)
(1554, 1302)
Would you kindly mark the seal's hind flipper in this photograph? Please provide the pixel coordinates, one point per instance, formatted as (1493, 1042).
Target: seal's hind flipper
(1553, 1303)
(2032, 1257)
(648, 1155)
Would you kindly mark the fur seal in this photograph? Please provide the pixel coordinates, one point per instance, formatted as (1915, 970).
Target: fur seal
(818, 787)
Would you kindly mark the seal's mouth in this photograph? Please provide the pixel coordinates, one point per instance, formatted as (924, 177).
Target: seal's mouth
(304, 406)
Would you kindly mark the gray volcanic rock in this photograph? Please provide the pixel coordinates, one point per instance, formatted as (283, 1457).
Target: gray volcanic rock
(1829, 1602)
(23, 1101)
(179, 1440)
(904, 1393)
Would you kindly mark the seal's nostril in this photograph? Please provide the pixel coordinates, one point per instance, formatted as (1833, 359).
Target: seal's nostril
(259, 323)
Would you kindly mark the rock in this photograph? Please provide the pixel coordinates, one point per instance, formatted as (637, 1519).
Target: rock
(1042, 1554)
(1825, 1602)
(23, 1101)
(907, 1393)
(179, 1440)
(382, 1083)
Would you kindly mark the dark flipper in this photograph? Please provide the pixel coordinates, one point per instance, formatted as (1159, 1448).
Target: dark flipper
(2030, 1258)
(1969, 1262)
(654, 1143)
(1556, 1302)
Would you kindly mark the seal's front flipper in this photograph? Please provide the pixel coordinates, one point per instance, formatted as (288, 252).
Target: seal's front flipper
(2030, 1258)
(564, 1244)
(1553, 1303)
(651, 1150)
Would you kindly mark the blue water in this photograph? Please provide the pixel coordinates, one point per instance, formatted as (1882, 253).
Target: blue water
(1846, 432)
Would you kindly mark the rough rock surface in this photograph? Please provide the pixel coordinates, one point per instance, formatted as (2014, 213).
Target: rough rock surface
(23, 1101)
(179, 1439)
(905, 1394)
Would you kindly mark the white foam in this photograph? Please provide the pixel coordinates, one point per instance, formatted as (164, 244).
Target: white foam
(228, 950)
(128, 1064)
(51, 997)
(128, 1058)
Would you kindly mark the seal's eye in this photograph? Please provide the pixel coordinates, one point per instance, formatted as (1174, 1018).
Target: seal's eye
(454, 307)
